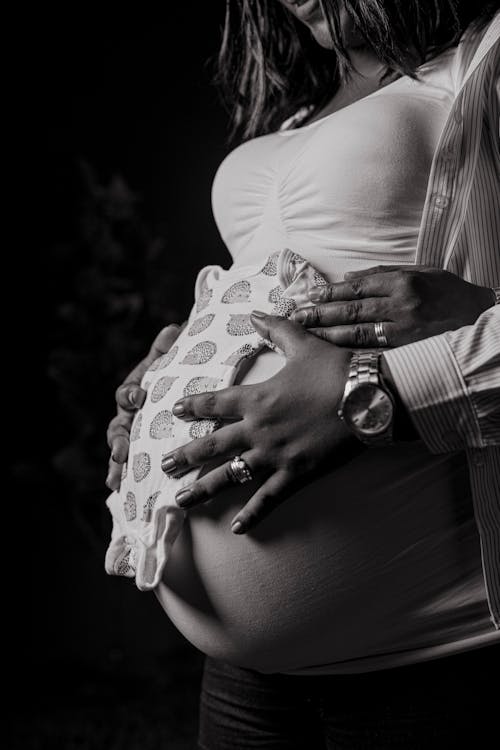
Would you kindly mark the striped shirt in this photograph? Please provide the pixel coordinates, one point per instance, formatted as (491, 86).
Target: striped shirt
(450, 383)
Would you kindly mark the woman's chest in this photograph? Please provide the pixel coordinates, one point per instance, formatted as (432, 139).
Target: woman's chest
(366, 164)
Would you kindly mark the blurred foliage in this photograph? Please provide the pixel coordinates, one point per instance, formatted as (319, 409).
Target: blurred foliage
(113, 291)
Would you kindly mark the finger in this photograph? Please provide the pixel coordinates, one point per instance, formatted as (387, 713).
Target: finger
(228, 441)
(286, 334)
(341, 313)
(227, 403)
(266, 499)
(130, 396)
(370, 271)
(119, 426)
(384, 269)
(119, 449)
(357, 336)
(214, 482)
(374, 285)
(113, 479)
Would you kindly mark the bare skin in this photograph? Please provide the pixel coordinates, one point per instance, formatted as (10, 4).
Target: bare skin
(368, 70)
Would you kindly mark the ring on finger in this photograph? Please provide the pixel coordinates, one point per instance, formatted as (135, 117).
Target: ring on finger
(380, 334)
(240, 470)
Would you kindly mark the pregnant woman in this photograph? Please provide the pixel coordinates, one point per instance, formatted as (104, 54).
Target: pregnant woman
(343, 579)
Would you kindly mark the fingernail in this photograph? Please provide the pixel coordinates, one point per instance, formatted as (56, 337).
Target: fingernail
(184, 498)
(315, 294)
(168, 464)
(237, 527)
(299, 317)
(258, 314)
(178, 409)
(137, 397)
(108, 482)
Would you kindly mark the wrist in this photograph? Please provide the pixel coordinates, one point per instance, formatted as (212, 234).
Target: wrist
(367, 405)
(404, 429)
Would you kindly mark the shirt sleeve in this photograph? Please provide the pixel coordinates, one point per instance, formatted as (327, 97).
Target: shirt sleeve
(450, 384)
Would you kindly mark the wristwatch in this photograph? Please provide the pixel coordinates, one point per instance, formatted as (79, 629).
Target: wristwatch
(367, 406)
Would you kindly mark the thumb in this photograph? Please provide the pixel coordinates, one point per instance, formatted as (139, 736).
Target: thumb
(285, 334)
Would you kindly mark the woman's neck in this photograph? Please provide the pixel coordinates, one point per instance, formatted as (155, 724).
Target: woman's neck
(365, 62)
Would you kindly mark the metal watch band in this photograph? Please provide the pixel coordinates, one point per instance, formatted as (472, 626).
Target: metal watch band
(364, 368)
(496, 292)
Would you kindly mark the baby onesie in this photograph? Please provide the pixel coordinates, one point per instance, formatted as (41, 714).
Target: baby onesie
(218, 336)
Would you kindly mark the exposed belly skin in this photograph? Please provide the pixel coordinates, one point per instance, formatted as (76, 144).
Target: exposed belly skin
(345, 568)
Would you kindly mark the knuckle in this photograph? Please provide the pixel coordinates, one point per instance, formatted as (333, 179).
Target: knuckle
(322, 333)
(209, 401)
(410, 281)
(354, 310)
(318, 315)
(360, 335)
(209, 446)
(313, 316)
(356, 286)
(119, 446)
(328, 293)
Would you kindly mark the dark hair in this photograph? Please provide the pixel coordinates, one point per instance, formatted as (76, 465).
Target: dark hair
(269, 65)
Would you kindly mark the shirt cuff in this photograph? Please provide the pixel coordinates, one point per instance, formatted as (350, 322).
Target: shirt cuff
(434, 392)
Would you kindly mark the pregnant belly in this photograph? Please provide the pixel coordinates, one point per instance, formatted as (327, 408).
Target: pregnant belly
(346, 567)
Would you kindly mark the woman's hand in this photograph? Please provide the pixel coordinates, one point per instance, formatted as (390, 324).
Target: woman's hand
(130, 397)
(413, 302)
(285, 428)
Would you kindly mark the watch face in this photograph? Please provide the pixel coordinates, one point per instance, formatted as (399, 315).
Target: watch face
(368, 409)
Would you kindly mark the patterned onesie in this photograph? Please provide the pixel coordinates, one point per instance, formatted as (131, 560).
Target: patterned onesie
(219, 335)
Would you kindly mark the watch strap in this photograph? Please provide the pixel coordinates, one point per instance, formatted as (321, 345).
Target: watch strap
(364, 367)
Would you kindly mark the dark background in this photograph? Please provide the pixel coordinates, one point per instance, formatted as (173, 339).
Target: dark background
(125, 132)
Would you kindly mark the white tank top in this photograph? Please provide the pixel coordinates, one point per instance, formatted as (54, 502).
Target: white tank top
(345, 191)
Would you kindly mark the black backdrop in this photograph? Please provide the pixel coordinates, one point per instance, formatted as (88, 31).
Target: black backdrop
(124, 132)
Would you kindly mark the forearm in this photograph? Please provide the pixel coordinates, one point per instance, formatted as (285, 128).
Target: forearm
(449, 385)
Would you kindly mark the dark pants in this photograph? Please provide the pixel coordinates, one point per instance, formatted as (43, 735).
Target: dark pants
(452, 702)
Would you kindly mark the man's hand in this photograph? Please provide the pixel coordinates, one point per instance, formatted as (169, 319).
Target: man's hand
(286, 429)
(413, 302)
(130, 397)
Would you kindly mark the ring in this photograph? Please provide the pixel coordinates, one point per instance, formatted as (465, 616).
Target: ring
(240, 471)
(380, 335)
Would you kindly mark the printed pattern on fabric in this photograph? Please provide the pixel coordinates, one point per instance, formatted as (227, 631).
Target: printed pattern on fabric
(146, 518)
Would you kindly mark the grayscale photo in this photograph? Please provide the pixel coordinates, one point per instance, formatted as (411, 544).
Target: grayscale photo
(263, 311)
